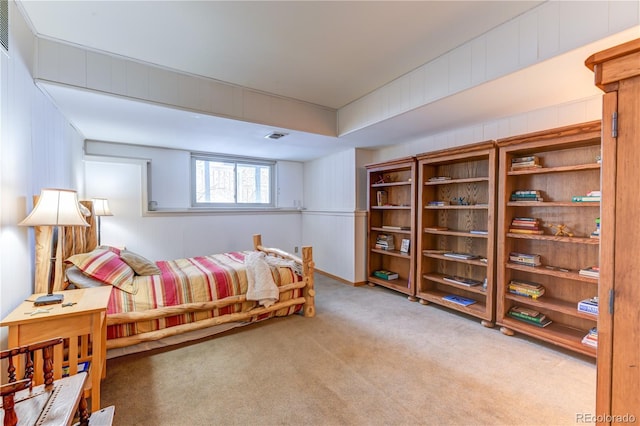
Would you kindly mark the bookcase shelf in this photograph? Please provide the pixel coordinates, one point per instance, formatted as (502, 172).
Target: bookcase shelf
(568, 166)
(465, 178)
(391, 203)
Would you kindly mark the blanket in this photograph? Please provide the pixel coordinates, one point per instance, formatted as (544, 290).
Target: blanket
(260, 284)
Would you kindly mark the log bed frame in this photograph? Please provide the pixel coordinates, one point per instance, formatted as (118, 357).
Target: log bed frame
(73, 240)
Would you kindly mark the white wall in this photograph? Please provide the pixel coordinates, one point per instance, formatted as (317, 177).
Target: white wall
(559, 115)
(38, 149)
(169, 174)
(549, 30)
(178, 233)
(334, 221)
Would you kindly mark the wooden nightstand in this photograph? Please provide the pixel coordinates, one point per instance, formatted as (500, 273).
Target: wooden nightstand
(83, 326)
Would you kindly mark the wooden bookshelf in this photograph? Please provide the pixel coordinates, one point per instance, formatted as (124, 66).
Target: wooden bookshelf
(569, 166)
(463, 178)
(392, 215)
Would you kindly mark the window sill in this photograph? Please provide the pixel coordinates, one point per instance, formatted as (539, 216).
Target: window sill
(207, 211)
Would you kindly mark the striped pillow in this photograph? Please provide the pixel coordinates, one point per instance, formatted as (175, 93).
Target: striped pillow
(106, 266)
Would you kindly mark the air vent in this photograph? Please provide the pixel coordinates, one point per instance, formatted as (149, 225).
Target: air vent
(276, 135)
(4, 24)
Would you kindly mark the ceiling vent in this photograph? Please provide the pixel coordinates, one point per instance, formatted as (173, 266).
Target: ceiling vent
(4, 24)
(276, 135)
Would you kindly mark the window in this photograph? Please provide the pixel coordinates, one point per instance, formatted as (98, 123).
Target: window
(218, 181)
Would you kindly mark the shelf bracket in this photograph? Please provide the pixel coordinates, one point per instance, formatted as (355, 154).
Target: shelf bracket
(611, 297)
(614, 124)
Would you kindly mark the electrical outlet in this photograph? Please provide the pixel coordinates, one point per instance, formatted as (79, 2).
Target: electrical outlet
(295, 249)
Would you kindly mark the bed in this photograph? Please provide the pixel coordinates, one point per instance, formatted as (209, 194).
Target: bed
(181, 299)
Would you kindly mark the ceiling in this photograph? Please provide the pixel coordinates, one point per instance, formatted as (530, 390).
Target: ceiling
(328, 53)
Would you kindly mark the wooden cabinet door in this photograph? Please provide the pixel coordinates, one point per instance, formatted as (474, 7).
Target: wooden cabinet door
(619, 320)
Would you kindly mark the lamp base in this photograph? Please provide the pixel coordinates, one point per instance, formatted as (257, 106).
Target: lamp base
(48, 299)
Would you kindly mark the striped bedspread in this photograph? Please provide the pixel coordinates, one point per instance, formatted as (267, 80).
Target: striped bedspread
(190, 280)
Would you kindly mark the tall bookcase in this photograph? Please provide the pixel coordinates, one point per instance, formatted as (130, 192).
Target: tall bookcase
(456, 229)
(617, 73)
(391, 217)
(564, 163)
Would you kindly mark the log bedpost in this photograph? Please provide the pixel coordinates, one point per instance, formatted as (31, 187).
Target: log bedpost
(309, 291)
(308, 267)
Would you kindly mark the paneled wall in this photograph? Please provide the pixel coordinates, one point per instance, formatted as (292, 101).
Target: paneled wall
(334, 220)
(38, 148)
(95, 71)
(553, 28)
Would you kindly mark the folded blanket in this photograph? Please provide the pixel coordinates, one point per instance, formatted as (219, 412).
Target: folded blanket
(260, 284)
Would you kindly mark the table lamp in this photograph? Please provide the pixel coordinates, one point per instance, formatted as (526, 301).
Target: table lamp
(100, 208)
(55, 207)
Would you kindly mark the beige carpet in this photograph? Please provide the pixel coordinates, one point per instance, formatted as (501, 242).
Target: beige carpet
(369, 357)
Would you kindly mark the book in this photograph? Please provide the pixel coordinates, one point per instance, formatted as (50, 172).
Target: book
(439, 178)
(461, 280)
(385, 275)
(529, 316)
(525, 259)
(436, 228)
(465, 256)
(438, 203)
(381, 198)
(543, 323)
(459, 300)
(526, 231)
(82, 367)
(524, 159)
(591, 338)
(591, 271)
(434, 251)
(396, 228)
(589, 306)
(385, 242)
(585, 198)
(596, 232)
(525, 288)
(525, 162)
(479, 232)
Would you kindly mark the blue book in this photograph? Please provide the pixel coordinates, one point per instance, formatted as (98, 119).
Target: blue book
(459, 300)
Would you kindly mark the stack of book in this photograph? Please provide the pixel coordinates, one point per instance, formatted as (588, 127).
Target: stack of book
(525, 225)
(468, 282)
(459, 300)
(591, 271)
(530, 316)
(439, 178)
(525, 288)
(385, 275)
(591, 338)
(463, 256)
(596, 233)
(396, 228)
(525, 258)
(438, 203)
(526, 195)
(528, 162)
(385, 242)
(589, 306)
(592, 196)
